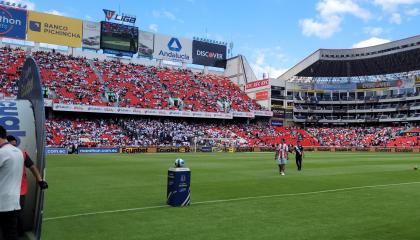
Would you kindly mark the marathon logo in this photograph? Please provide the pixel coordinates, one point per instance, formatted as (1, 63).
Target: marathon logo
(7, 22)
(9, 119)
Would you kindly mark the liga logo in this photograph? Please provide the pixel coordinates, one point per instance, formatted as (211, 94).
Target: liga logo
(108, 14)
(8, 22)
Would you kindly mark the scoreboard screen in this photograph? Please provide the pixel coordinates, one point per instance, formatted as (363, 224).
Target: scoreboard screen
(119, 37)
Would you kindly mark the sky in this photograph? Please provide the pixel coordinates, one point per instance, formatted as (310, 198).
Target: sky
(273, 35)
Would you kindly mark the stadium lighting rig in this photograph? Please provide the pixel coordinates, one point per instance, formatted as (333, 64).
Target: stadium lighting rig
(9, 4)
(210, 41)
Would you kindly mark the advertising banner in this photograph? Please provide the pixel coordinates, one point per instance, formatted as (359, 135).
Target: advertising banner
(133, 150)
(84, 150)
(119, 37)
(335, 87)
(244, 114)
(299, 86)
(257, 84)
(12, 23)
(172, 48)
(53, 29)
(277, 123)
(138, 111)
(51, 150)
(261, 95)
(263, 113)
(417, 79)
(91, 35)
(206, 149)
(405, 83)
(209, 54)
(146, 44)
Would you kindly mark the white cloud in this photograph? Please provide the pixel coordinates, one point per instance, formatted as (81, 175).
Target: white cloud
(370, 42)
(335, 7)
(322, 29)
(330, 16)
(412, 12)
(260, 66)
(395, 18)
(166, 14)
(373, 31)
(55, 12)
(392, 5)
(29, 5)
(153, 27)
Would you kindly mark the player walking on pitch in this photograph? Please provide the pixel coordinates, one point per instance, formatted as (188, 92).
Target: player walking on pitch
(299, 155)
(281, 156)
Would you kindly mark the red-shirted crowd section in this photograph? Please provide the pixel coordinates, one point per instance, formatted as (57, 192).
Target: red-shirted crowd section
(77, 80)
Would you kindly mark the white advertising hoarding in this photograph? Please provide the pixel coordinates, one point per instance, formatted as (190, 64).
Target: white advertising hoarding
(91, 35)
(172, 48)
(146, 44)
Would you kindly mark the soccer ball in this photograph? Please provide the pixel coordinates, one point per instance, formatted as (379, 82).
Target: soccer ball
(179, 162)
(415, 167)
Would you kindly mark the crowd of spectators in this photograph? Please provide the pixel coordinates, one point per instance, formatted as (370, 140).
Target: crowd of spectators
(152, 87)
(125, 131)
(11, 61)
(167, 132)
(69, 79)
(77, 80)
(355, 136)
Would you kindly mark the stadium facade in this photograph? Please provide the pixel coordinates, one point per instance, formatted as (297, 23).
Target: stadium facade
(372, 85)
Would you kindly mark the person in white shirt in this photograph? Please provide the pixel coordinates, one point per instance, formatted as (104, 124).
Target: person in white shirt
(11, 170)
(281, 156)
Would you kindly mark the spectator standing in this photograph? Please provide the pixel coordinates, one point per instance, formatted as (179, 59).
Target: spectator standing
(11, 168)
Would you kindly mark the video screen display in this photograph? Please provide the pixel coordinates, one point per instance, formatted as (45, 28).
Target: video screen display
(119, 37)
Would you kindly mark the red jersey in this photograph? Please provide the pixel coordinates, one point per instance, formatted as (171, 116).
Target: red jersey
(24, 184)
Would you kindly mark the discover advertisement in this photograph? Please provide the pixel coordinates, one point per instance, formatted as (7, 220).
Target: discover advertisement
(209, 54)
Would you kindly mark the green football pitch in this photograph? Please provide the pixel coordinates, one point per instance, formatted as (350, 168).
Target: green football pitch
(234, 196)
(115, 43)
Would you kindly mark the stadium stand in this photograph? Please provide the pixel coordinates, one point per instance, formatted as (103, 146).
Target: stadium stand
(65, 132)
(73, 80)
(358, 136)
(11, 61)
(78, 80)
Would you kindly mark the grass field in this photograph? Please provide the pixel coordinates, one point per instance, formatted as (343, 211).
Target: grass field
(110, 42)
(336, 196)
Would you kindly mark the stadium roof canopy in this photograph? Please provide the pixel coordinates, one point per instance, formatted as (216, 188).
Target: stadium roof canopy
(393, 57)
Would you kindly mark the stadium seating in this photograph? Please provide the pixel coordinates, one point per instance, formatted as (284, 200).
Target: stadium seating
(10, 62)
(167, 132)
(359, 136)
(69, 80)
(73, 80)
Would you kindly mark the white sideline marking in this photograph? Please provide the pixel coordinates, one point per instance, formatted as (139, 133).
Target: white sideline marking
(232, 200)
